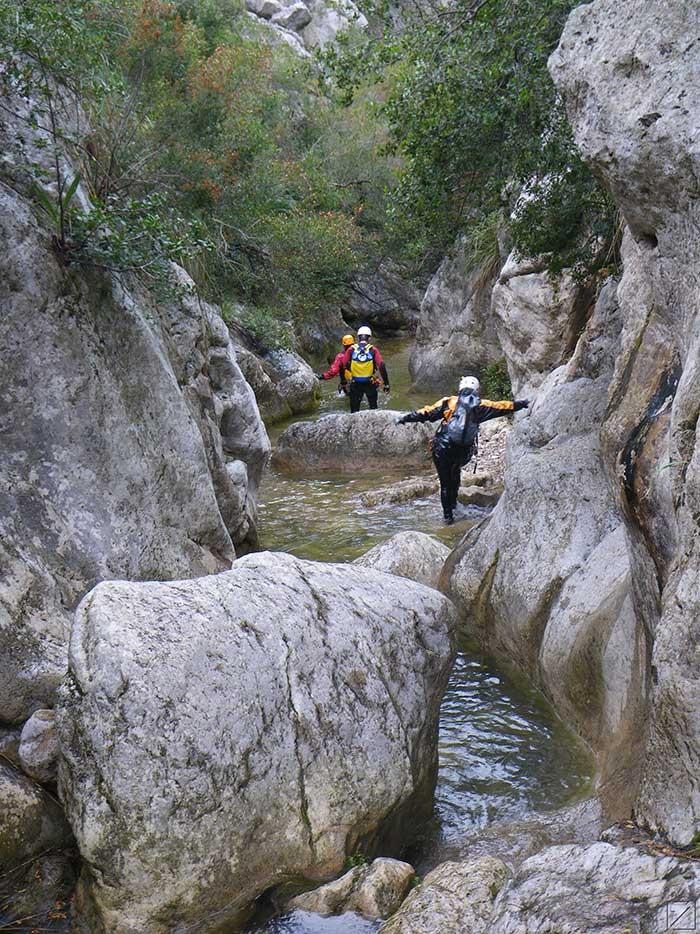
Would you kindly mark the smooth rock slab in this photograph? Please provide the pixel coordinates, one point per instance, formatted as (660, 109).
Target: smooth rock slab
(225, 734)
(455, 898)
(414, 555)
(375, 891)
(367, 440)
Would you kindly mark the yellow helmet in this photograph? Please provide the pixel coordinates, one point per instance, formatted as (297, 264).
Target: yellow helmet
(348, 339)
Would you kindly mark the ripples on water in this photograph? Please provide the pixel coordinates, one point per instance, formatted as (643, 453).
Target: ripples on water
(503, 754)
(303, 922)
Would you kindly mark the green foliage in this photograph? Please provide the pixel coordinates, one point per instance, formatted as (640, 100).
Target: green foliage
(206, 147)
(356, 859)
(263, 324)
(495, 382)
(473, 112)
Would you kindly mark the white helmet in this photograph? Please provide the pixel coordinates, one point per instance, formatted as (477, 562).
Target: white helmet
(469, 382)
(364, 331)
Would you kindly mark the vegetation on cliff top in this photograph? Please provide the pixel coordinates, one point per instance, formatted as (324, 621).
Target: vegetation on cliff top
(203, 144)
(206, 145)
(481, 131)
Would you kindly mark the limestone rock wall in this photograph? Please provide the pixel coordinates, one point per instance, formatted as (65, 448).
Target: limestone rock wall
(588, 572)
(456, 332)
(628, 71)
(132, 445)
(537, 319)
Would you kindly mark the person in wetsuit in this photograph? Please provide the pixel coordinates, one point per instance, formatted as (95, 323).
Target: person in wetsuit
(337, 369)
(455, 441)
(366, 366)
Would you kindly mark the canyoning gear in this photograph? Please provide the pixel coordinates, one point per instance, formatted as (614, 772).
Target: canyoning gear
(521, 404)
(456, 439)
(364, 331)
(348, 340)
(364, 361)
(461, 429)
(386, 388)
(358, 389)
(444, 409)
(362, 365)
(319, 376)
(471, 383)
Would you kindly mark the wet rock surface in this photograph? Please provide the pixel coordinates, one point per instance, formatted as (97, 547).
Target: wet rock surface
(221, 735)
(454, 898)
(375, 891)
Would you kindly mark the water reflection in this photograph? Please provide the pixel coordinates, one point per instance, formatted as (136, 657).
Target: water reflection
(503, 754)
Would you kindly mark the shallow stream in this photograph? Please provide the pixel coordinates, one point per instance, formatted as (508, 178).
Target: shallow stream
(503, 752)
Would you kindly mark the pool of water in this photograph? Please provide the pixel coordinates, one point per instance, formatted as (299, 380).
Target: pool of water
(503, 753)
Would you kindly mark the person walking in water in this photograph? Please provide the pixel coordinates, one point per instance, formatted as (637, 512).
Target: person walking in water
(455, 441)
(364, 362)
(337, 368)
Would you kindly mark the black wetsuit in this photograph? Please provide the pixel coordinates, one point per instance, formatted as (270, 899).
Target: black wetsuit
(449, 458)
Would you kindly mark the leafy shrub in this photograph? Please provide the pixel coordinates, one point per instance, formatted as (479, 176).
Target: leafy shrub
(495, 381)
(472, 111)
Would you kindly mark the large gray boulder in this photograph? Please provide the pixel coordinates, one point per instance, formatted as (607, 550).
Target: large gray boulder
(454, 898)
(414, 555)
(225, 734)
(118, 414)
(284, 384)
(367, 440)
(545, 582)
(456, 330)
(538, 319)
(628, 73)
(385, 299)
(597, 889)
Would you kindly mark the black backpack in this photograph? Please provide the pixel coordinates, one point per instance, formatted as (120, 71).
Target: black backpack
(463, 428)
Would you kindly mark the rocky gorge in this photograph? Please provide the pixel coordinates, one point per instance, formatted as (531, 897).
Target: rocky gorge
(224, 723)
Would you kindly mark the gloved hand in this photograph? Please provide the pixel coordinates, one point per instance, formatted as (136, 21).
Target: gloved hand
(401, 420)
(386, 387)
(520, 404)
(319, 376)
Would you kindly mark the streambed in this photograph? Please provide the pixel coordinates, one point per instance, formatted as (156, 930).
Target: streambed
(503, 752)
